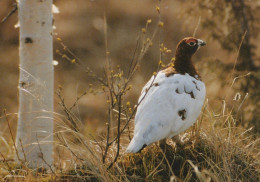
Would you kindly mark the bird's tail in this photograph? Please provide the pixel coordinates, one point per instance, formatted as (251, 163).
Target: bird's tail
(135, 146)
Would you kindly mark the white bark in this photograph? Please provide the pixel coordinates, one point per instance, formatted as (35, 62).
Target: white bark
(35, 120)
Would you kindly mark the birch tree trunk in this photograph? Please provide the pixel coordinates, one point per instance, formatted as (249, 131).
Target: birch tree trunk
(34, 138)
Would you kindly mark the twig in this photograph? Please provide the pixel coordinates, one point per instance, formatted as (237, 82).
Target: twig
(64, 143)
(241, 103)
(108, 134)
(108, 63)
(42, 157)
(72, 123)
(153, 172)
(77, 61)
(9, 127)
(164, 156)
(160, 31)
(98, 143)
(24, 155)
(132, 115)
(78, 98)
(238, 52)
(196, 28)
(118, 130)
(6, 163)
(10, 13)
(234, 66)
(141, 55)
(133, 57)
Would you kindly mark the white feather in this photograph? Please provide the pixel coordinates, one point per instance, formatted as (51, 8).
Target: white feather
(160, 101)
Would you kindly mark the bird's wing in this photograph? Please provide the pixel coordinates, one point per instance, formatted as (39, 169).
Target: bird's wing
(168, 106)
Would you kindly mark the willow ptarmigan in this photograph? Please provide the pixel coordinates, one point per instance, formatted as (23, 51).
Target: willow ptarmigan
(171, 101)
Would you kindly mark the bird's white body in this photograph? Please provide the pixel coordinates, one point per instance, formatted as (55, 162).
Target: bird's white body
(168, 106)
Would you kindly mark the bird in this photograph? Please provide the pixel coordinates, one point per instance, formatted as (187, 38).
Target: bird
(171, 100)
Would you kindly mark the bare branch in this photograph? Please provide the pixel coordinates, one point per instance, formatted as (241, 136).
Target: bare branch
(10, 13)
(42, 156)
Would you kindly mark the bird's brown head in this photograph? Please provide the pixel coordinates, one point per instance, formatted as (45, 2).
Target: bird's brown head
(185, 49)
(188, 46)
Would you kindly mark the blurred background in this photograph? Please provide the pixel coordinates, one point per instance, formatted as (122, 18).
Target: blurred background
(223, 24)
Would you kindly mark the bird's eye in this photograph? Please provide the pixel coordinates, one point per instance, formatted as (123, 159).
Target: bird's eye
(192, 43)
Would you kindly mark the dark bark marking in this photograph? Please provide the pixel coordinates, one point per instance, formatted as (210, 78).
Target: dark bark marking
(22, 84)
(28, 40)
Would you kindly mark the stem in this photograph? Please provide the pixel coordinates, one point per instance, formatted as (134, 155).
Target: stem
(108, 134)
(118, 130)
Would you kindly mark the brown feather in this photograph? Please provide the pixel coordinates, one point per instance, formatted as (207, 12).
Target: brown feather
(183, 63)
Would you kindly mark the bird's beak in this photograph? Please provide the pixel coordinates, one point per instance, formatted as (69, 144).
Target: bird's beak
(201, 42)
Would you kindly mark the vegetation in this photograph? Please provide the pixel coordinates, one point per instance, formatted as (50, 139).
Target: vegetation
(93, 129)
(213, 150)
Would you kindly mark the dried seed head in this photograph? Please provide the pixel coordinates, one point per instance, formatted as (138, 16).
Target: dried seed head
(160, 24)
(160, 62)
(157, 9)
(237, 96)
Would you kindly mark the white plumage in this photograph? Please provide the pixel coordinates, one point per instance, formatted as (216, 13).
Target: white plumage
(171, 101)
(168, 106)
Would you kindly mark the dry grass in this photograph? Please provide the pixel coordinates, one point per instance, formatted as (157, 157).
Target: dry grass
(212, 150)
